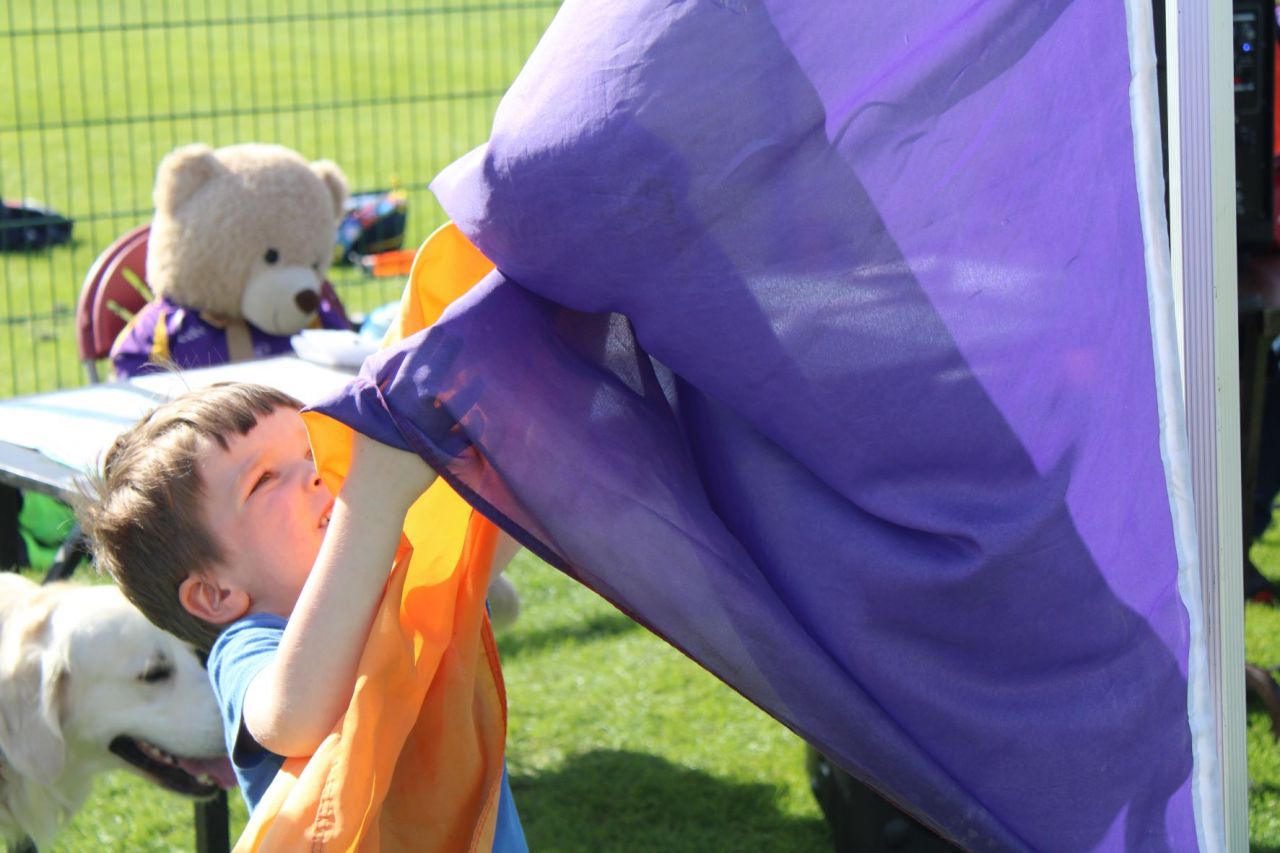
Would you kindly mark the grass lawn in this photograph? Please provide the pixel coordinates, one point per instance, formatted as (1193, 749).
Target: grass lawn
(1262, 647)
(617, 742)
(96, 92)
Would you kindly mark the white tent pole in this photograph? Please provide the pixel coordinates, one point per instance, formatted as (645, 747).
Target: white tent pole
(1202, 235)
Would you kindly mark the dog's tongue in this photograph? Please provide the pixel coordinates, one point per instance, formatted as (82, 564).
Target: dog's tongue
(217, 769)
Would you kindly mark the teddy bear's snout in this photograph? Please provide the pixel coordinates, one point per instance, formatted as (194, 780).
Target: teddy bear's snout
(280, 300)
(307, 301)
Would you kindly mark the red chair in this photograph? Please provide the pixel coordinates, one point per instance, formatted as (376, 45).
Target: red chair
(108, 298)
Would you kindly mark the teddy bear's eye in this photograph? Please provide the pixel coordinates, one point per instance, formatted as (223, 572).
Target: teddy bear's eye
(271, 256)
(316, 266)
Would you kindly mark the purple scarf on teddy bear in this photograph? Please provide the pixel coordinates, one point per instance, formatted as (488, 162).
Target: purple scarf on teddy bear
(164, 333)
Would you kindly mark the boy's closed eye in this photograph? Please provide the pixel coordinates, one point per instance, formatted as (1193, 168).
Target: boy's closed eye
(261, 480)
(269, 474)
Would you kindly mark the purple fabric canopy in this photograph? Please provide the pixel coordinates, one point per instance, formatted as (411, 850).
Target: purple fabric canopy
(821, 345)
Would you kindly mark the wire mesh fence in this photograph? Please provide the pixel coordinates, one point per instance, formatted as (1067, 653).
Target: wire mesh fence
(93, 93)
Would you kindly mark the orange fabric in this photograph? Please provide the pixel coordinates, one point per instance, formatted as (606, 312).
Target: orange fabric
(446, 267)
(416, 762)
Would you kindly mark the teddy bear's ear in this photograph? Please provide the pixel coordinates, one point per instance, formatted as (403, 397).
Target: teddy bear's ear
(333, 178)
(182, 172)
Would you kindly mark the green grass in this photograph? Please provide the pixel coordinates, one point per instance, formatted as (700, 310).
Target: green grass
(1262, 647)
(616, 742)
(96, 92)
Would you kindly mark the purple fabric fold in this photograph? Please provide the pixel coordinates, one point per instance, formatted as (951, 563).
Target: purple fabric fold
(820, 346)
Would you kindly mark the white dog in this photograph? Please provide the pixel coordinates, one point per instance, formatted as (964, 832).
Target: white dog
(87, 684)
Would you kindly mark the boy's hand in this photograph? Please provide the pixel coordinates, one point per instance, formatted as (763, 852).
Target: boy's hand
(393, 477)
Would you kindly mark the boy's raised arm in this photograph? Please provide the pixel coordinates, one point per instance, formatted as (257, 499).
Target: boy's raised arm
(295, 701)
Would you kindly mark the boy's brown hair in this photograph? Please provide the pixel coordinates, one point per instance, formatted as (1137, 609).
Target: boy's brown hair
(144, 513)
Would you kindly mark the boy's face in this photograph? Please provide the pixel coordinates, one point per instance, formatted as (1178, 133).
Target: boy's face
(267, 509)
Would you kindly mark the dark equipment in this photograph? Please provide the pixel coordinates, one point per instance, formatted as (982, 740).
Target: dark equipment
(861, 820)
(373, 222)
(27, 227)
(1253, 57)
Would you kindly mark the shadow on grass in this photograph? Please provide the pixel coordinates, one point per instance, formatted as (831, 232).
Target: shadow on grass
(596, 628)
(626, 801)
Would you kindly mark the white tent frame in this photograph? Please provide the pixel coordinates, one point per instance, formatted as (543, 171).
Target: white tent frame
(1202, 229)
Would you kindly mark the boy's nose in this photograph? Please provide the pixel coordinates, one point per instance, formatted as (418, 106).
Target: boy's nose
(308, 476)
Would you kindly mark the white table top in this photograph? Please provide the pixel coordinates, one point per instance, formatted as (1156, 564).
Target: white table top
(48, 440)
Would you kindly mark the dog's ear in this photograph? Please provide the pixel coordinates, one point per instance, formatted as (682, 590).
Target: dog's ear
(33, 679)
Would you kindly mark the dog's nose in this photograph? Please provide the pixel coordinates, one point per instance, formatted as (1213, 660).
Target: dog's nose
(307, 301)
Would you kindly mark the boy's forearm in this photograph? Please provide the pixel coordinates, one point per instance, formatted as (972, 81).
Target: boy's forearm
(298, 699)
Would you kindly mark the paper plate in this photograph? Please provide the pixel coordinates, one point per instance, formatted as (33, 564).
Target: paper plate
(333, 347)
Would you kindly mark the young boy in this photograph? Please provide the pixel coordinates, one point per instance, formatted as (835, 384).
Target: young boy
(211, 517)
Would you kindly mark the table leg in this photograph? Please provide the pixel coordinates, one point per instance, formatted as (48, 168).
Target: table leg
(1254, 347)
(13, 552)
(213, 835)
(73, 549)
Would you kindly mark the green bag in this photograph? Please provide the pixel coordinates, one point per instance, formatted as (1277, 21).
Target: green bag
(43, 523)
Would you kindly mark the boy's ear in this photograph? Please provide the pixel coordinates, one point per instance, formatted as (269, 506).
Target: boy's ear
(204, 598)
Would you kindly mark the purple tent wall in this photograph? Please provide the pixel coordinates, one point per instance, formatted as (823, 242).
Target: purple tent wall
(821, 346)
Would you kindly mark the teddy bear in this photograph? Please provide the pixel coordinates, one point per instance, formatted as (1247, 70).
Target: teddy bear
(236, 258)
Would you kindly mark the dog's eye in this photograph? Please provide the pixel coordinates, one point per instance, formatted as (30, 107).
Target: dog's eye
(156, 672)
(271, 256)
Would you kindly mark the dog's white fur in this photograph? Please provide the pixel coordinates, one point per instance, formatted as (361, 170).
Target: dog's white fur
(79, 667)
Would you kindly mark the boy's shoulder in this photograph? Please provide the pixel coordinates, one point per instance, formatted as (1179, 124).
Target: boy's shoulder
(244, 639)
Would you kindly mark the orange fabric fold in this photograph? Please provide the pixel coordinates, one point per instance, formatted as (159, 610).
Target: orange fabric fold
(416, 762)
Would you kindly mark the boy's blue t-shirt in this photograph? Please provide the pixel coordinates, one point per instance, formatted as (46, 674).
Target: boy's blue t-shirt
(239, 654)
